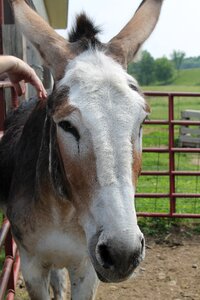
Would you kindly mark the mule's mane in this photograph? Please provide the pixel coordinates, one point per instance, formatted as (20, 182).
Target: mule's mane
(10, 152)
(84, 31)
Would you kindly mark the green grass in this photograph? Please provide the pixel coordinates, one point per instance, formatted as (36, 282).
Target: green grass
(159, 227)
(172, 88)
(157, 136)
(159, 105)
(188, 77)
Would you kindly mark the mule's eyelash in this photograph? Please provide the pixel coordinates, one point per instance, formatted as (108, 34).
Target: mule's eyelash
(68, 127)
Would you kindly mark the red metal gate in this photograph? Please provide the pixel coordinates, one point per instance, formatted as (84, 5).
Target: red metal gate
(10, 271)
(171, 149)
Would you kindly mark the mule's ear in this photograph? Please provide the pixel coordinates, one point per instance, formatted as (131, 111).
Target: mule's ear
(54, 49)
(124, 46)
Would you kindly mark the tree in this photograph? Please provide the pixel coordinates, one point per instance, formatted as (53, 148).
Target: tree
(144, 69)
(177, 58)
(164, 70)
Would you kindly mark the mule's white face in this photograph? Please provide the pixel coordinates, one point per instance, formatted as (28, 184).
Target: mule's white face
(99, 135)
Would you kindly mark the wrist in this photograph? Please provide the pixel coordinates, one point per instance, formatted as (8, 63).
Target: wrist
(7, 63)
(13, 63)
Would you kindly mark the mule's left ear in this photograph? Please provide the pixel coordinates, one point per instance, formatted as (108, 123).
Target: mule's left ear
(124, 46)
(53, 48)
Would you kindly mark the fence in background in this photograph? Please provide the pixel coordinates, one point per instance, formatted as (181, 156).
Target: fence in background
(189, 137)
(10, 270)
(14, 101)
(171, 150)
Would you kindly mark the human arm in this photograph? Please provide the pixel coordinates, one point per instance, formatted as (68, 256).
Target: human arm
(18, 71)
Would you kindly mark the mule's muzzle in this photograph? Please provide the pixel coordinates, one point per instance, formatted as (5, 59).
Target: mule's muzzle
(115, 259)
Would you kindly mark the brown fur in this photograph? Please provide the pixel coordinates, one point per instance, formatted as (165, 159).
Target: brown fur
(131, 37)
(56, 55)
(81, 175)
(64, 111)
(137, 165)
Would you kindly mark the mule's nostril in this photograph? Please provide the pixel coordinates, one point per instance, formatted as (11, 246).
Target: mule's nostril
(105, 256)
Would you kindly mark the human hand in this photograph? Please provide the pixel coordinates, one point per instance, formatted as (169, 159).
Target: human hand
(20, 72)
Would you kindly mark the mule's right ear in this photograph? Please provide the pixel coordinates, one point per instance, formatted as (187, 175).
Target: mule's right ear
(125, 45)
(54, 49)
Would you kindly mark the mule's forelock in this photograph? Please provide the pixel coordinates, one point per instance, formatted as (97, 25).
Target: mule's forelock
(84, 29)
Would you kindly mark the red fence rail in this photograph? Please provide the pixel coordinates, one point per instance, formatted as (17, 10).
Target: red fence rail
(6, 85)
(10, 270)
(171, 149)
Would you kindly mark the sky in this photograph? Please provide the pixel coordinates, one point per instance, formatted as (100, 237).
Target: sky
(178, 27)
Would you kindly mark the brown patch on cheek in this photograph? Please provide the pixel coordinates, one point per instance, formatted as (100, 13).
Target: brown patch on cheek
(137, 165)
(81, 174)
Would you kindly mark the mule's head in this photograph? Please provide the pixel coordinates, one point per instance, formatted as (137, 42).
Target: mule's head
(98, 110)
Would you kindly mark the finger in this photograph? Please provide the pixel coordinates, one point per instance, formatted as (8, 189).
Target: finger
(18, 88)
(37, 83)
(42, 93)
(23, 86)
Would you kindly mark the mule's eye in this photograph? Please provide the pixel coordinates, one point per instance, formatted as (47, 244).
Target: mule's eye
(133, 87)
(68, 127)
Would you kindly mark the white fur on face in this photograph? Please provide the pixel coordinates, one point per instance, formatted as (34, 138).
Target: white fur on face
(112, 113)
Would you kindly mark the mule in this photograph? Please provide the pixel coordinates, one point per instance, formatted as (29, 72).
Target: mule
(69, 165)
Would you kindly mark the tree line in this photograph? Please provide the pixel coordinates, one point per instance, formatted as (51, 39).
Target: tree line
(161, 70)
(191, 63)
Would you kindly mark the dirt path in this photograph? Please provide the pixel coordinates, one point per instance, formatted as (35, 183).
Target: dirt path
(168, 272)
(171, 271)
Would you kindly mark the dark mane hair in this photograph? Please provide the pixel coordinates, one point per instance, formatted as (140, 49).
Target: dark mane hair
(9, 144)
(84, 31)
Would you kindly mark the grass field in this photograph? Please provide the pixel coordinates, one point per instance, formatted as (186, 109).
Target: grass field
(188, 77)
(157, 136)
